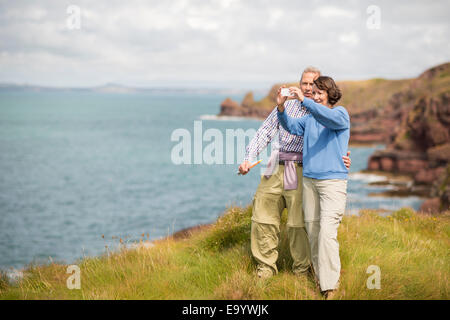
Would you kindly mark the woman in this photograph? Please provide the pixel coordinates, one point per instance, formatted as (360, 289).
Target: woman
(326, 132)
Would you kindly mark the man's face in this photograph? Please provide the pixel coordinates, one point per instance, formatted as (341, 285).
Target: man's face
(307, 82)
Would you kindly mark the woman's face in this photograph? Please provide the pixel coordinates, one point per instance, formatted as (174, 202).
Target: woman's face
(319, 96)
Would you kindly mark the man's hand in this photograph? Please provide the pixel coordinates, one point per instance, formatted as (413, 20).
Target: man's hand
(244, 167)
(280, 99)
(298, 94)
(347, 160)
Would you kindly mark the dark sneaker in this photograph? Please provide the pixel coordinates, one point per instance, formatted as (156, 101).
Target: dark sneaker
(299, 272)
(329, 294)
(264, 272)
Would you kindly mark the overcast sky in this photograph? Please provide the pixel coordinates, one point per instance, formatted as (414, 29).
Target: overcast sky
(229, 43)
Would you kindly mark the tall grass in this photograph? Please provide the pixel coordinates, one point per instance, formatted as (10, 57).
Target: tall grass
(411, 250)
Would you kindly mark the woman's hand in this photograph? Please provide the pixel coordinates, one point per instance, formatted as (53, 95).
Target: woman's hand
(297, 93)
(347, 160)
(280, 99)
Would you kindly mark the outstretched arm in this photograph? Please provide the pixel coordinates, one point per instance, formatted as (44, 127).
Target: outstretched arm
(336, 118)
(292, 125)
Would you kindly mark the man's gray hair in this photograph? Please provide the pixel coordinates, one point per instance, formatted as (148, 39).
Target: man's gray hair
(311, 70)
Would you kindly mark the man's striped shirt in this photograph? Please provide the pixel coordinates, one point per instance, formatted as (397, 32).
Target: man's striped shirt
(270, 127)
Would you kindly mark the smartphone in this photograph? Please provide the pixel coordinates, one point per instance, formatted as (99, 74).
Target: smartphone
(286, 93)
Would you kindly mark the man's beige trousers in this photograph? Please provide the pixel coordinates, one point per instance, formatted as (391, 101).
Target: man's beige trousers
(324, 205)
(268, 204)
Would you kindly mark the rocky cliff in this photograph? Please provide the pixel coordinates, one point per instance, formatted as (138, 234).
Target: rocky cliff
(419, 144)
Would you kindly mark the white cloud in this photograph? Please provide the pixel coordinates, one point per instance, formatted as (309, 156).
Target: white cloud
(255, 41)
(202, 23)
(275, 16)
(335, 12)
(350, 38)
(29, 12)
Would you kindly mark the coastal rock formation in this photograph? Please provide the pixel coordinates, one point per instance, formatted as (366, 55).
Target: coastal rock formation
(230, 107)
(420, 144)
(440, 193)
(249, 107)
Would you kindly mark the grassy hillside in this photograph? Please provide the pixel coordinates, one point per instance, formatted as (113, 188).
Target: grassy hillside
(364, 95)
(412, 251)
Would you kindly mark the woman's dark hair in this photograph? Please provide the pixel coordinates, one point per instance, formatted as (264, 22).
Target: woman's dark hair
(328, 84)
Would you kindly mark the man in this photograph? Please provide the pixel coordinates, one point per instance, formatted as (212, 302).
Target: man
(281, 189)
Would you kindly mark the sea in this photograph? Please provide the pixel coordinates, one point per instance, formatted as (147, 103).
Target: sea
(81, 172)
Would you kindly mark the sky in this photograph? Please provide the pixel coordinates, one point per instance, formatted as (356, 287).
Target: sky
(217, 43)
